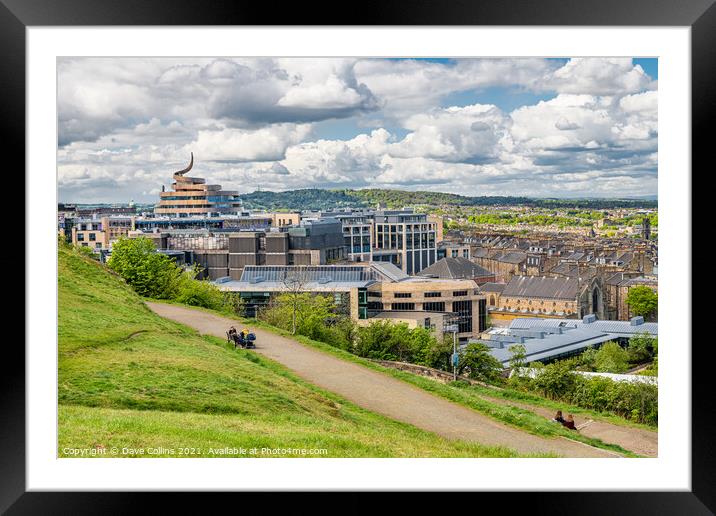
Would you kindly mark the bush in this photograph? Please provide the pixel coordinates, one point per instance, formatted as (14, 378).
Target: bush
(642, 348)
(149, 273)
(611, 358)
(555, 380)
(200, 293)
(637, 402)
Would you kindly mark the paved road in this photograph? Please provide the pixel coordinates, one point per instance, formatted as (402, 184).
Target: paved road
(381, 393)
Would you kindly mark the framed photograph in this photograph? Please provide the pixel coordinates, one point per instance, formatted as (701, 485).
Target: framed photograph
(434, 249)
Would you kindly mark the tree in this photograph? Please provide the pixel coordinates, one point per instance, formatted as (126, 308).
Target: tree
(518, 354)
(642, 300)
(294, 282)
(479, 363)
(149, 273)
(611, 358)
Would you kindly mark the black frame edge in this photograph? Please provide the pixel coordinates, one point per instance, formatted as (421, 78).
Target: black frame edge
(699, 14)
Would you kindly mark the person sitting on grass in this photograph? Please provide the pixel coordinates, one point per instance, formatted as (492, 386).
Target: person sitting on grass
(558, 417)
(569, 422)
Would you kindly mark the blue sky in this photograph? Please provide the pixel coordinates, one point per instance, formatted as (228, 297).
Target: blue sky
(522, 126)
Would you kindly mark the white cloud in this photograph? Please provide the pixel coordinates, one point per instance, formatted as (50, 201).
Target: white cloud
(265, 144)
(454, 134)
(598, 76)
(126, 124)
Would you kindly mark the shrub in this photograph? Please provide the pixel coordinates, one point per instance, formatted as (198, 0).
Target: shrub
(555, 380)
(200, 293)
(611, 358)
(149, 273)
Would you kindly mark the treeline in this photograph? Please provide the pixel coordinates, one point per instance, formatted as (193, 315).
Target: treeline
(321, 199)
(320, 318)
(534, 220)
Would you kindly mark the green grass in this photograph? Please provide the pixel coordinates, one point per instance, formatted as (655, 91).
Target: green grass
(469, 397)
(128, 378)
(510, 394)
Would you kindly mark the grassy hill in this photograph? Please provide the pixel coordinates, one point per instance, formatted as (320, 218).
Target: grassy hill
(130, 379)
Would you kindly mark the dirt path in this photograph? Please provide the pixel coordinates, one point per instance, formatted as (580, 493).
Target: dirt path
(380, 393)
(640, 441)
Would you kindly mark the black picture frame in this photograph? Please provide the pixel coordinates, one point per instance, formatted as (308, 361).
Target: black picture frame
(700, 15)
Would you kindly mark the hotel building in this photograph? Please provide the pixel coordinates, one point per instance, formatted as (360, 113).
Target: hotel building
(192, 197)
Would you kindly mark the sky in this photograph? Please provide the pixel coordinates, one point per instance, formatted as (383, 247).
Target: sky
(519, 126)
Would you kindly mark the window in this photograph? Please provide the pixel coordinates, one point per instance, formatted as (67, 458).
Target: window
(459, 293)
(80, 237)
(403, 306)
(434, 307)
(402, 295)
(433, 294)
(92, 237)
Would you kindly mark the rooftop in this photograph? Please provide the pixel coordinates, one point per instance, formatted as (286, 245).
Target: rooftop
(455, 268)
(541, 287)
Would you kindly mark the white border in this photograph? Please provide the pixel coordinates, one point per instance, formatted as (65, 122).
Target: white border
(670, 471)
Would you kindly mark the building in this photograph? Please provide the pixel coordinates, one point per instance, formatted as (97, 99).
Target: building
(372, 292)
(544, 297)
(405, 239)
(401, 237)
(116, 227)
(453, 250)
(502, 263)
(458, 268)
(358, 234)
(617, 288)
(192, 197)
(225, 252)
(546, 340)
(89, 233)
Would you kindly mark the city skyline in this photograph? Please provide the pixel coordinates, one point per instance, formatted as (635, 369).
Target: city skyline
(523, 127)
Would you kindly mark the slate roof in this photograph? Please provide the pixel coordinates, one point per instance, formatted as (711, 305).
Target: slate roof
(541, 287)
(493, 287)
(512, 257)
(480, 252)
(571, 270)
(455, 268)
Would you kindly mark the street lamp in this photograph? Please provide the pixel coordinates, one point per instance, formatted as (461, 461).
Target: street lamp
(454, 329)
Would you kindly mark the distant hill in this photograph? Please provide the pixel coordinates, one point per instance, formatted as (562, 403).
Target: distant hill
(321, 199)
